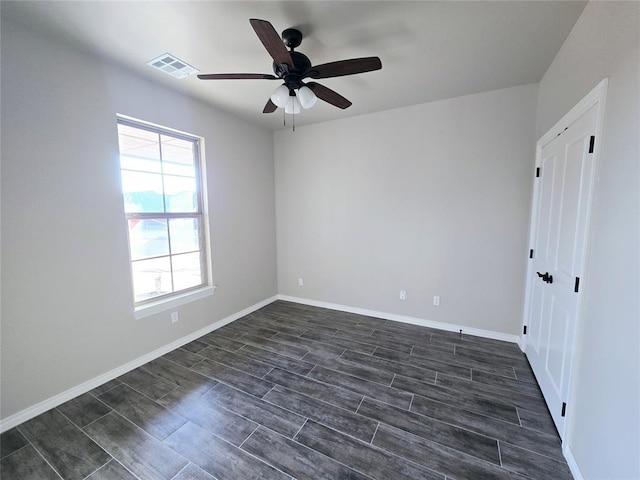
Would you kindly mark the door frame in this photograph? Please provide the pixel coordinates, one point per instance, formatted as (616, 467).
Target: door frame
(597, 96)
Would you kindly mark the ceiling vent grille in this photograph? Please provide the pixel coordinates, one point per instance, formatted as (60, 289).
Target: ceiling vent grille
(173, 66)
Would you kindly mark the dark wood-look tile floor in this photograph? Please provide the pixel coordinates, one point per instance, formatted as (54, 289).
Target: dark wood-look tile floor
(293, 391)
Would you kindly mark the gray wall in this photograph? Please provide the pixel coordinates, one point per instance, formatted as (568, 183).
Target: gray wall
(67, 310)
(605, 429)
(432, 199)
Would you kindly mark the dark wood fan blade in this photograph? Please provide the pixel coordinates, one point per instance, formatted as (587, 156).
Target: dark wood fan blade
(329, 96)
(236, 76)
(270, 107)
(344, 67)
(271, 41)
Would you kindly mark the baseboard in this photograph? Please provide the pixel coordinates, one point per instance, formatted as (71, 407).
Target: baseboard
(404, 319)
(573, 464)
(52, 402)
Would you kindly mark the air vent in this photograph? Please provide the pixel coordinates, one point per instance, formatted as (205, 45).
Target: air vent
(173, 66)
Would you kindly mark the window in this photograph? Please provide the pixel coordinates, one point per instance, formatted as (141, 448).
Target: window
(162, 188)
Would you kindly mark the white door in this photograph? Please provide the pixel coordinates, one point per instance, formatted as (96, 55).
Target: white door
(558, 242)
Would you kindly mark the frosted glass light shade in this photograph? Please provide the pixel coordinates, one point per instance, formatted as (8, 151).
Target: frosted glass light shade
(280, 96)
(292, 106)
(307, 98)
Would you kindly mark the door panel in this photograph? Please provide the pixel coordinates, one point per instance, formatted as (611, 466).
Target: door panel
(558, 233)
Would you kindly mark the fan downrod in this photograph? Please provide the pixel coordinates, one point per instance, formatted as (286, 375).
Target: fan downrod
(292, 38)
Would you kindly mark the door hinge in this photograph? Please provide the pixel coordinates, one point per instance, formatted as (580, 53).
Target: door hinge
(576, 287)
(524, 330)
(531, 253)
(592, 141)
(537, 172)
(564, 409)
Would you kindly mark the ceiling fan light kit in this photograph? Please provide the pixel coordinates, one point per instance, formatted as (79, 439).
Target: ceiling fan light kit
(293, 67)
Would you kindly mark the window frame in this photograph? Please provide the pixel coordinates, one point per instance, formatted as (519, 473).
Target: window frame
(172, 299)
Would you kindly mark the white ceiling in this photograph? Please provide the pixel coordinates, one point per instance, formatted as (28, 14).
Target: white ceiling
(430, 50)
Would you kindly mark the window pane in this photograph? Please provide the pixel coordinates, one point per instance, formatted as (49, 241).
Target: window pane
(185, 235)
(148, 238)
(180, 194)
(178, 156)
(135, 142)
(151, 278)
(186, 271)
(141, 164)
(142, 192)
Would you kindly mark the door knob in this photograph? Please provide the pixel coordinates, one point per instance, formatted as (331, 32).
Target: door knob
(545, 277)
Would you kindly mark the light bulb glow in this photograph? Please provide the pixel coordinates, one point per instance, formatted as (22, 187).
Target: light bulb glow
(292, 106)
(280, 96)
(306, 96)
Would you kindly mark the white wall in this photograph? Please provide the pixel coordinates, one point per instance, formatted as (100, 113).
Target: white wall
(605, 425)
(432, 199)
(67, 313)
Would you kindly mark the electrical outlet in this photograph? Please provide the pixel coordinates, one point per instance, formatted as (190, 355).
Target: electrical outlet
(300, 282)
(403, 295)
(174, 317)
(436, 301)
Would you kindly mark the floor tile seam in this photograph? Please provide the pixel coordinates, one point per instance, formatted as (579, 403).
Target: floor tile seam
(502, 361)
(321, 400)
(19, 449)
(424, 367)
(407, 339)
(234, 366)
(352, 375)
(228, 366)
(269, 351)
(519, 419)
(313, 341)
(296, 413)
(266, 347)
(468, 429)
(38, 452)
(367, 345)
(378, 449)
(502, 387)
(57, 409)
(451, 405)
(373, 384)
(258, 424)
(460, 363)
(387, 360)
(334, 460)
(457, 427)
(249, 436)
(491, 393)
(108, 390)
(312, 349)
(452, 450)
(182, 470)
(147, 396)
(560, 459)
(108, 462)
(218, 405)
(380, 344)
(180, 348)
(374, 434)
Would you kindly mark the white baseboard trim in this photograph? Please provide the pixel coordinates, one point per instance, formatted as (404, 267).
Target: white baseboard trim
(404, 319)
(52, 402)
(573, 464)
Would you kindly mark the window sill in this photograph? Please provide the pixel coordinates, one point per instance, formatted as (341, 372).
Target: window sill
(173, 302)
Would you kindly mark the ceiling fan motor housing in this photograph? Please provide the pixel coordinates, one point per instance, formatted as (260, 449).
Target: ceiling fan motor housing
(292, 76)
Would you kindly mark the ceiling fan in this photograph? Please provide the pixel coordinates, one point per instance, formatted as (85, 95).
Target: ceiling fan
(294, 67)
